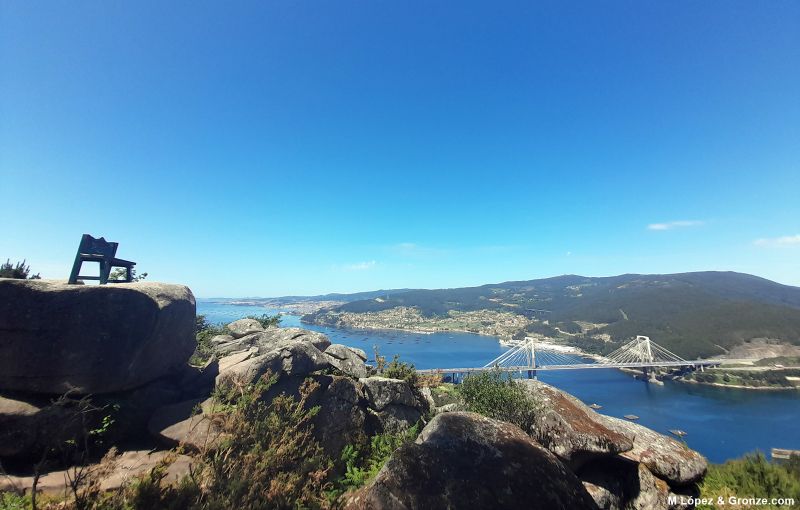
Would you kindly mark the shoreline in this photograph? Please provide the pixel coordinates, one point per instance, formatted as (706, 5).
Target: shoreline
(740, 387)
(403, 330)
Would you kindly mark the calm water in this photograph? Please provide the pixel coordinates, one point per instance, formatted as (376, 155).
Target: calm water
(721, 423)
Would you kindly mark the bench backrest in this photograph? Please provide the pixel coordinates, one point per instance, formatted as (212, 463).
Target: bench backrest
(99, 247)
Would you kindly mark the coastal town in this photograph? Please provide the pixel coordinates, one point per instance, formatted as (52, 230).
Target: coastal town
(483, 322)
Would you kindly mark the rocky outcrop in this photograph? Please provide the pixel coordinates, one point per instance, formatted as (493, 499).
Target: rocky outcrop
(302, 358)
(267, 340)
(341, 417)
(623, 465)
(393, 406)
(572, 430)
(349, 361)
(113, 472)
(664, 457)
(244, 327)
(349, 406)
(382, 392)
(464, 460)
(298, 358)
(91, 339)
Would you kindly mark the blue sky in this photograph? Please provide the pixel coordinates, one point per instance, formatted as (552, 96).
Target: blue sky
(271, 148)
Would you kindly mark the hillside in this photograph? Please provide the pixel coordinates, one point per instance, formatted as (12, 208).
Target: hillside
(694, 314)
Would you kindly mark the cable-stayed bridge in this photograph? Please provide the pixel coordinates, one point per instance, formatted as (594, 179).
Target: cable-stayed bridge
(532, 356)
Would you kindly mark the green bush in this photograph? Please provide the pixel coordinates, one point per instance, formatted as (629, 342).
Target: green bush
(361, 464)
(397, 369)
(12, 501)
(496, 396)
(750, 476)
(270, 458)
(119, 273)
(20, 271)
(266, 321)
(204, 332)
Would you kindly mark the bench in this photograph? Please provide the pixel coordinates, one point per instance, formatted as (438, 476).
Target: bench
(103, 252)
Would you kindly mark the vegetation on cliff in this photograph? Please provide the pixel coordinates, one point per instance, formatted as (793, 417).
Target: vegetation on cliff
(19, 271)
(205, 331)
(268, 458)
(752, 476)
(495, 395)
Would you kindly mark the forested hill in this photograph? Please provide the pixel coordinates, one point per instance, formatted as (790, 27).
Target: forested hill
(694, 314)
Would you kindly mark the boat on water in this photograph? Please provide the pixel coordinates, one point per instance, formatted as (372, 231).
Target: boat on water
(596, 406)
(677, 432)
(631, 417)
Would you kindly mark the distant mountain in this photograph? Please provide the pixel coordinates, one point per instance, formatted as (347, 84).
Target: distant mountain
(356, 296)
(693, 314)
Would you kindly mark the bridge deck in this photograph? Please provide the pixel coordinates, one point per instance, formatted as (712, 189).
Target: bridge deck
(580, 366)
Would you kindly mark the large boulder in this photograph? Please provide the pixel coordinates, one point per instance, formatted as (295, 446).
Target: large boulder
(570, 429)
(464, 460)
(393, 418)
(382, 391)
(244, 327)
(247, 366)
(293, 359)
(340, 420)
(664, 457)
(266, 340)
(302, 358)
(56, 337)
(347, 360)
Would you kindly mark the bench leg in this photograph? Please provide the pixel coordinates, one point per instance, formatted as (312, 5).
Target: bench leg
(76, 270)
(105, 269)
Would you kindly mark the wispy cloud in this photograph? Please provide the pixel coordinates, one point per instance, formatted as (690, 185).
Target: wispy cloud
(675, 224)
(360, 266)
(778, 241)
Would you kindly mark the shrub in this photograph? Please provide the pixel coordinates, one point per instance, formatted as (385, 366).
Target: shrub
(750, 476)
(397, 369)
(12, 501)
(19, 271)
(266, 321)
(492, 394)
(269, 458)
(204, 332)
(118, 273)
(363, 463)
